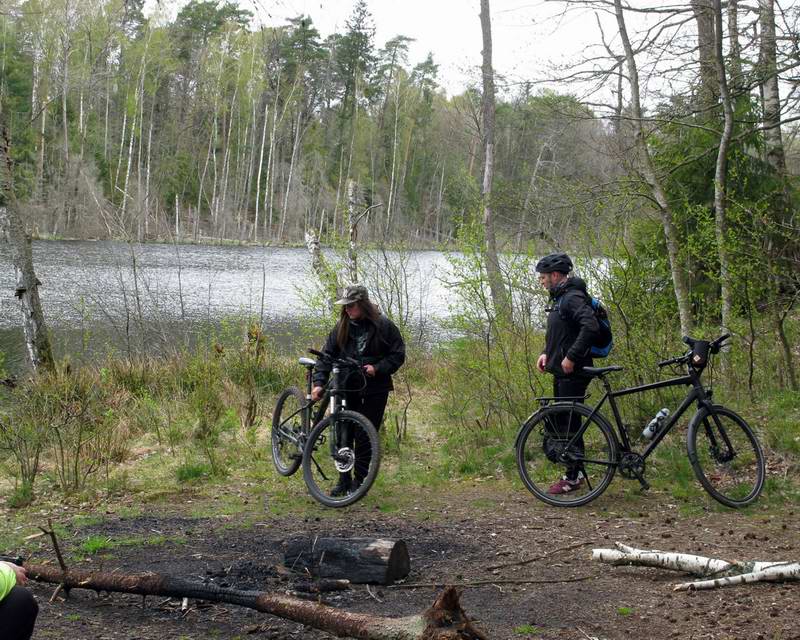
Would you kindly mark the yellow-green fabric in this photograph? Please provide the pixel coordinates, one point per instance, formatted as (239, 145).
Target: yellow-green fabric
(7, 579)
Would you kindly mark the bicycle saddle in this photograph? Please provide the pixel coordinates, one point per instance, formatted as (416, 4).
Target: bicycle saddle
(600, 371)
(307, 362)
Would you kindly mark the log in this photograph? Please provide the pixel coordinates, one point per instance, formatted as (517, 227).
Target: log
(716, 572)
(445, 620)
(359, 560)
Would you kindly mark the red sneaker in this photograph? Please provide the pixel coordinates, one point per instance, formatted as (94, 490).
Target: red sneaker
(565, 486)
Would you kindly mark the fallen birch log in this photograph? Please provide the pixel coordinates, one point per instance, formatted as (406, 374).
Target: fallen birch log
(716, 572)
(445, 620)
(359, 560)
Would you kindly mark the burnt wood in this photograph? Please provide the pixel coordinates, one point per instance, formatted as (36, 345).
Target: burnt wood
(359, 560)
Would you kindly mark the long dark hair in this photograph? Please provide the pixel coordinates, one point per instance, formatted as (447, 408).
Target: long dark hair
(369, 311)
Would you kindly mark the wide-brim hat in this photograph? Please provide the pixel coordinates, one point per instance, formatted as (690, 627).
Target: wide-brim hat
(353, 293)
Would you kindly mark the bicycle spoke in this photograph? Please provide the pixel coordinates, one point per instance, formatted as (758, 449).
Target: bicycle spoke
(565, 457)
(726, 457)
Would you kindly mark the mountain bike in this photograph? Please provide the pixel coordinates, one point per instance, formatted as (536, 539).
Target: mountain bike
(343, 442)
(567, 433)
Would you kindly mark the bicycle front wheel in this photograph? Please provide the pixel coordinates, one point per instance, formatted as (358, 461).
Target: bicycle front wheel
(287, 428)
(726, 456)
(341, 459)
(565, 457)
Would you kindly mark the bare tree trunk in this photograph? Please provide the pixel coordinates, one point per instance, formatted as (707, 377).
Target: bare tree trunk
(268, 195)
(394, 157)
(721, 174)
(679, 279)
(439, 204)
(769, 86)
(497, 288)
(530, 192)
(706, 45)
(292, 161)
(260, 165)
(37, 342)
(445, 620)
(776, 158)
(352, 223)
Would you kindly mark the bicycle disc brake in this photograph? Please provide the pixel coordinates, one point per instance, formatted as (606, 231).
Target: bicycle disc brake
(344, 459)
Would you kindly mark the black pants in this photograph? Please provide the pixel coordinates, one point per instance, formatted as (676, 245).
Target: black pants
(564, 387)
(18, 611)
(372, 407)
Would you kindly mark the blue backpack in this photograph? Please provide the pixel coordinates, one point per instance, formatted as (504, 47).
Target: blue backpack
(604, 341)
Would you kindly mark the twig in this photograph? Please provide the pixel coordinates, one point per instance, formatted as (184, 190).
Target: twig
(373, 596)
(61, 562)
(478, 583)
(540, 557)
(57, 549)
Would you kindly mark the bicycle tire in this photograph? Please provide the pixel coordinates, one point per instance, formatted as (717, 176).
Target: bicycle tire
(320, 470)
(286, 455)
(542, 450)
(726, 457)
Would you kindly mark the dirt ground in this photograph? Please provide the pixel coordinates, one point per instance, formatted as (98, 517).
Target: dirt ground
(567, 596)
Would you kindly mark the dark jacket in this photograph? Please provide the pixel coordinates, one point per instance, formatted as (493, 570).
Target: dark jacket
(385, 350)
(571, 327)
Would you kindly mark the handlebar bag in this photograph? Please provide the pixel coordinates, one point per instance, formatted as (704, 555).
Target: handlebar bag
(700, 351)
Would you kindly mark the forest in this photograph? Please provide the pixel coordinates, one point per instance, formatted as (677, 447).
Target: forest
(663, 156)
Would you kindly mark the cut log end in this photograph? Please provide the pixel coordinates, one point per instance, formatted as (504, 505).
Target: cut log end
(359, 560)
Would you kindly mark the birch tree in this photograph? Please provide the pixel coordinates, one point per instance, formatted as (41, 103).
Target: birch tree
(500, 298)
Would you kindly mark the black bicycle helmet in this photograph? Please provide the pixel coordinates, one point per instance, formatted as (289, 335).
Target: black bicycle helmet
(554, 262)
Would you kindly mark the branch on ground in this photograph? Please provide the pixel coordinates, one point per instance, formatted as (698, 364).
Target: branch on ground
(445, 620)
(715, 572)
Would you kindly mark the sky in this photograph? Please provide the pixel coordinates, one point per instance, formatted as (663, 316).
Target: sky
(529, 36)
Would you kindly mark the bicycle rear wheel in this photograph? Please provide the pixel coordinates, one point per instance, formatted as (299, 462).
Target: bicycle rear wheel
(726, 456)
(287, 427)
(342, 448)
(547, 452)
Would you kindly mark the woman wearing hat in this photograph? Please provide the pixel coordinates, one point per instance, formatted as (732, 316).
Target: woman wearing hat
(364, 333)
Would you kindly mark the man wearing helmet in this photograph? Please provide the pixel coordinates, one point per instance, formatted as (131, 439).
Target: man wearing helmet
(571, 329)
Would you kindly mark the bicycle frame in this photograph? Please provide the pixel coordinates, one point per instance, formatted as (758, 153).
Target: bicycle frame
(334, 396)
(697, 394)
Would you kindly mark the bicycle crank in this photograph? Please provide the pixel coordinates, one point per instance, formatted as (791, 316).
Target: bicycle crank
(632, 467)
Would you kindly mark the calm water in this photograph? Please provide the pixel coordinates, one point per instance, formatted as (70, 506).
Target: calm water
(101, 297)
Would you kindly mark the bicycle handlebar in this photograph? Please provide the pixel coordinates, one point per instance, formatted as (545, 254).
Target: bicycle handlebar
(350, 362)
(714, 346)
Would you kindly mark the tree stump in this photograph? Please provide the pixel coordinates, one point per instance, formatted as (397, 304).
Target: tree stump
(359, 560)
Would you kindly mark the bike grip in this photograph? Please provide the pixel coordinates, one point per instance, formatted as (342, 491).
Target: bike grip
(316, 353)
(17, 560)
(686, 340)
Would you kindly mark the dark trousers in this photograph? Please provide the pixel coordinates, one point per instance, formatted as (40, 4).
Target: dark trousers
(372, 407)
(18, 611)
(571, 386)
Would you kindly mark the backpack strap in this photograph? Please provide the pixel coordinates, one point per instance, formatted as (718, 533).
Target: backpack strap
(561, 298)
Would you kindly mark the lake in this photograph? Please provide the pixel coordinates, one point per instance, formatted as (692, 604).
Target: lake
(105, 296)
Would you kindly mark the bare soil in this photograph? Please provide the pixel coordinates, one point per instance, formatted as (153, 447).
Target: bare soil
(457, 540)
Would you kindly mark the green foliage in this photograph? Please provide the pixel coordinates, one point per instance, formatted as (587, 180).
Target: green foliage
(527, 630)
(21, 496)
(192, 471)
(95, 544)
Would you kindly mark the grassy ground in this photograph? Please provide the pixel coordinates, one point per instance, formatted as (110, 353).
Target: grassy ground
(422, 471)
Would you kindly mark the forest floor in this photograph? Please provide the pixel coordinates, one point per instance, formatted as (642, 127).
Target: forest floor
(456, 533)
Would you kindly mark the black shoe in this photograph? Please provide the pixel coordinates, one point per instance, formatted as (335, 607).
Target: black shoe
(342, 487)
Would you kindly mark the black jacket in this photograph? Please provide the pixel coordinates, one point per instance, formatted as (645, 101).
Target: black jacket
(385, 350)
(571, 327)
